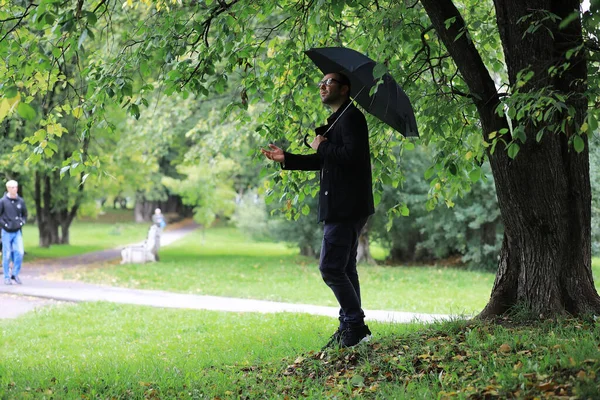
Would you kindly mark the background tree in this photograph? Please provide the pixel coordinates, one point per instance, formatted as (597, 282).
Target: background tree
(469, 232)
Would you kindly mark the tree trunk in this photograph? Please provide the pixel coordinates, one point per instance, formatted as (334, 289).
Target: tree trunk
(543, 193)
(54, 217)
(363, 253)
(307, 251)
(46, 221)
(144, 209)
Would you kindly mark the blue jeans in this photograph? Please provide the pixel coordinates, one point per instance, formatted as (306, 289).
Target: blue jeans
(12, 248)
(338, 268)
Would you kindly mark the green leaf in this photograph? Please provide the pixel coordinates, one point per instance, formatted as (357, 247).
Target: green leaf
(11, 92)
(91, 18)
(49, 18)
(405, 211)
(578, 143)
(82, 38)
(127, 89)
(568, 19)
(26, 111)
(379, 71)
(305, 209)
(513, 150)
(592, 122)
(376, 198)
(135, 111)
(453, 169)
(429, 173)
(475, 175)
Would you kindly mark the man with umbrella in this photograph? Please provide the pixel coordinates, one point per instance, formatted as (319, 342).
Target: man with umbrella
(345, 199)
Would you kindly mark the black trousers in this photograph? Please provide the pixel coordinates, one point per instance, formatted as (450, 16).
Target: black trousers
(338, 268)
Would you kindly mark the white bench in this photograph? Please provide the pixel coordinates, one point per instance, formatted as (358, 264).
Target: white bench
(145, 252)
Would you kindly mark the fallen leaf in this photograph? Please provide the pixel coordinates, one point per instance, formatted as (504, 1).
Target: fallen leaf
(518, 365)
(505, 348)
(546, 386)
(357, 381)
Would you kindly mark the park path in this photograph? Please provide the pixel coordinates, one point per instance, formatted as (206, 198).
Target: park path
(37, 291)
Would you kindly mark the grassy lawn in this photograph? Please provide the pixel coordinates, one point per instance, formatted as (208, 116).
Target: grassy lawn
(222, 262)
(114, 229)
(109, 351)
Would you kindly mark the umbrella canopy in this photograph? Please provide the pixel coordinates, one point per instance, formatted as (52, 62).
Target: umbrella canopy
(390, 104)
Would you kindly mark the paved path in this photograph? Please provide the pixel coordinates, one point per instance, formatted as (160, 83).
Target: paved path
(37, 291)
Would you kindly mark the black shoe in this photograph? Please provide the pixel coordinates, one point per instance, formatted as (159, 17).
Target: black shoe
(355, 335)
(335, 340)
(17, 280)
(7, 281)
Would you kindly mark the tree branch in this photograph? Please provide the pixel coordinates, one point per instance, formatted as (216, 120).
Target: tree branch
(457, 40)
(223, 6)
(19, 18)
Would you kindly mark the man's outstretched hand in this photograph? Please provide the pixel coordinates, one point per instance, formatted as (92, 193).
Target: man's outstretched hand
(275, 153)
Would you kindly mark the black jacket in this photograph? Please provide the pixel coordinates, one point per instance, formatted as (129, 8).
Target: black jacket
(13, 213)
(346, 191)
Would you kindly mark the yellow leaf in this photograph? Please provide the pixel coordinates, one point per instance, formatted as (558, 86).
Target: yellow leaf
(505, 348)
(469, 155)
(584, 127)
(546, 386)
(77, 112)
(4, 109)
(518, 365)
(426, 36)
(8, 106)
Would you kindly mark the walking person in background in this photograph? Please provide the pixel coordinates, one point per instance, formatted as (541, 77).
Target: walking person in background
(158, 219)
(345, 200)
(13, 215)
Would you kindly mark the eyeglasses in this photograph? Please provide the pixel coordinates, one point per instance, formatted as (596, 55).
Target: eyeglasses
(327, 82)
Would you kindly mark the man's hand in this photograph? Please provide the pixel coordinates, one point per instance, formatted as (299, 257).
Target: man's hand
(275, 153)
(318, 140)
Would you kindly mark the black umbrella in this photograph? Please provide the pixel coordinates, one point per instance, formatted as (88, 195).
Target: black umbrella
(390, 104)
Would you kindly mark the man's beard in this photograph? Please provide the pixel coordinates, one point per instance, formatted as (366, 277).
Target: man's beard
(331, 98)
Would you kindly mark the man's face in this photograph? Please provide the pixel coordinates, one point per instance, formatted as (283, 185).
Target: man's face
(332, 92)
(12, 190)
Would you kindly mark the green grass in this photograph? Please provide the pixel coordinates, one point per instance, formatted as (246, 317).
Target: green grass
(85, 237)
(109, 351)
(106, 350)
(221, 262)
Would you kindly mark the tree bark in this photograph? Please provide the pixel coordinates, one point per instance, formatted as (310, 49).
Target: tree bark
(46, 218)
(543, 193)
(363, 253)
(54, 217)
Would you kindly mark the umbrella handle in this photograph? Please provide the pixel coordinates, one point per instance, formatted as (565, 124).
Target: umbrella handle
(306, 140)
